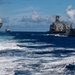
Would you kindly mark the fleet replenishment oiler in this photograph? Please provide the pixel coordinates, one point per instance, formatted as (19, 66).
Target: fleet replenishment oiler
(61, 28)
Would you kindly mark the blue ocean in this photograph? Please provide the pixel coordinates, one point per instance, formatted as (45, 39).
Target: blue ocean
(36, 53)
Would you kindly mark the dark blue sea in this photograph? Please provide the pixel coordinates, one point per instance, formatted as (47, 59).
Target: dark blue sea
(36, 53)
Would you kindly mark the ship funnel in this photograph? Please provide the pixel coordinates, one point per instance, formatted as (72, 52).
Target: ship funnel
(1, 23)
(57, 19)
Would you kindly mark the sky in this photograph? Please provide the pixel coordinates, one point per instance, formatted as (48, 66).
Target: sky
(34, 15)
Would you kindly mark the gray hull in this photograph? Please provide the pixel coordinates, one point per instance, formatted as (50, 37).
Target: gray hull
(69, 32)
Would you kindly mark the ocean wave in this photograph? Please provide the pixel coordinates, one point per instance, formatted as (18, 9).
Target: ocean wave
(35, 54)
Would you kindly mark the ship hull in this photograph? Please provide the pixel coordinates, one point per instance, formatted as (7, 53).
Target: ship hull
(70, 32)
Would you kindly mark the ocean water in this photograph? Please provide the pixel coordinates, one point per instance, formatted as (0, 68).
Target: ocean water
(36, 53)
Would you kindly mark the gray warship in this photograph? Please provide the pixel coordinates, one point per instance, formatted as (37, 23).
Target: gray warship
(7, 29)
(61, 28)
(1, 23)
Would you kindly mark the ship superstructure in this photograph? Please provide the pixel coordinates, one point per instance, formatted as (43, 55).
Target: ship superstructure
(60, 26)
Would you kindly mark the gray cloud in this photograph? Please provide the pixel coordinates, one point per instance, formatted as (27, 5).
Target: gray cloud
(5, 20)
(33, 22)
(35, 19)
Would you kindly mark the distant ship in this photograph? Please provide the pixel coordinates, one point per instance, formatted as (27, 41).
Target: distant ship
(7, 29)
(61, 27)
(1, 23)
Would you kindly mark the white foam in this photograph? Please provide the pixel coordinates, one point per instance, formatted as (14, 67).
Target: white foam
(8, 45)
(34, 44)
(7, 66)
(50, 63)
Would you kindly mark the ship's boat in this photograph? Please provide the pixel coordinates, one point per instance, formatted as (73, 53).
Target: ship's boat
(61, 28)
